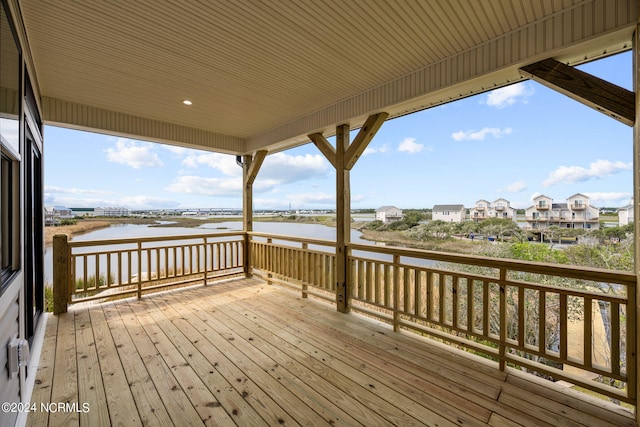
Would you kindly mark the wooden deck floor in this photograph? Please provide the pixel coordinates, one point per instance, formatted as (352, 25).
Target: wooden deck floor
(249, 354)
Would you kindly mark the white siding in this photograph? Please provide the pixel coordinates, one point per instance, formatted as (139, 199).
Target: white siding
(9, 329)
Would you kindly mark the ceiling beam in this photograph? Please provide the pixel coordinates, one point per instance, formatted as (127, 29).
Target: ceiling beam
(585, 88)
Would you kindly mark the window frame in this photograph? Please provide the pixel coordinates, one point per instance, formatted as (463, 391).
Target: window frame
(10, 215)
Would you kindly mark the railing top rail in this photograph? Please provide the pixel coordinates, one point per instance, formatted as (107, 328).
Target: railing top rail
(103, 242)
(318, 242)
(575, 272)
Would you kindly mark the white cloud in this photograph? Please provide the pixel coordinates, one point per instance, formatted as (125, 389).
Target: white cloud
(534, 195)
(146, 202)
(597, 169)
(283, 168)
(611, 198)
(312, 200)
(206, 186)
(374, 150)
(481, 134)
(134, 154)
(514, 187)
(509, 95)
(278, 169)
(77, 202)
(60, 190)
(224, 163)
(175, 149)
(409, 145)
(92, 198)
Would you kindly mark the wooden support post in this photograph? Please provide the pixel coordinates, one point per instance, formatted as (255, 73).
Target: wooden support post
(343, 218)
(61, 284)
(633, 326)
(343, 158)
(250, 167)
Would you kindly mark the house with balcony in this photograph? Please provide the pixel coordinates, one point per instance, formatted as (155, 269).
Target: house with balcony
(480, 211)
(247, 328)
(449, 213)
(500, 208)
(576, 212)
(388, 214)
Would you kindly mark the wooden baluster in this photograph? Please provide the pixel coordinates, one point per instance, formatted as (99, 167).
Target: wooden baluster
(395, 271)
(587, 357)
(521, 315)
(542, 321)
(503, 320)
(471, 302)
(455, 302)
(615, 338)
(206, 260)
(139, 270)
(564, 318)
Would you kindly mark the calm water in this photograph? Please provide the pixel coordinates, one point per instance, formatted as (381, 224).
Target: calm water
(121, 231)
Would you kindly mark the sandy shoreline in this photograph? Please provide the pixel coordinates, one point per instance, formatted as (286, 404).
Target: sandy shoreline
(73, 230)
(86, 226)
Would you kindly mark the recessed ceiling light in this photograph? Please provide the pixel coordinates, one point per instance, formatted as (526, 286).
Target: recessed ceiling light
(187, 102)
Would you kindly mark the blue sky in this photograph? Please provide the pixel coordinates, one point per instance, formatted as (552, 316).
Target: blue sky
(514, 143)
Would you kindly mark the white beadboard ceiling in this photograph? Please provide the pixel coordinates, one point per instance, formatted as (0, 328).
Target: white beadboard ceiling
(264, 74)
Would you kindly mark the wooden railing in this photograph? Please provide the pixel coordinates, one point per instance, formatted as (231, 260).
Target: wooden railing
(304, 264)
(89, 270)
(569, 323)
(562, 322)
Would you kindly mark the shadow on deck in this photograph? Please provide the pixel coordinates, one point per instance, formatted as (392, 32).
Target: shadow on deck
(245, 353)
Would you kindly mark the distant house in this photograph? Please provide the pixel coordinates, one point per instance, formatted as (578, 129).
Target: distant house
(388, 214)
(501, 208)
(480, 211)
(111, 211)
(577, 212)
(449, 213)
(626, 214)
(54, 214)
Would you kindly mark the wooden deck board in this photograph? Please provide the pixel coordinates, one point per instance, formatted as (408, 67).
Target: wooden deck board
(273, 365)
(44, 376)
(65, 370)
(242, 352)
(330, 401)
(147, 400)
(372, 372)
(91, 390)
(119, 399)
(180, 408)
